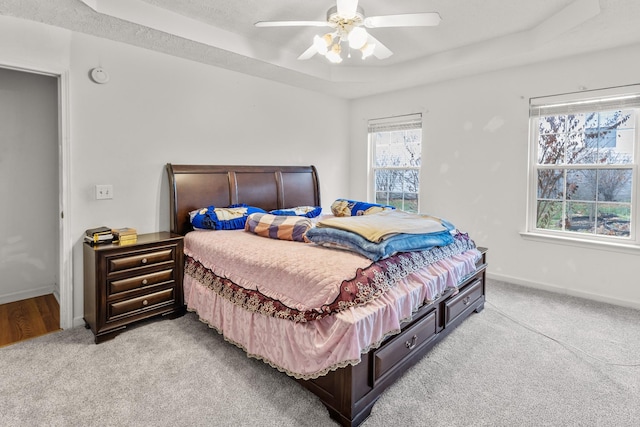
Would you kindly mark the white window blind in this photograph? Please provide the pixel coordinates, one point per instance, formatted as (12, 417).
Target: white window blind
(589, 101)
(388, 124)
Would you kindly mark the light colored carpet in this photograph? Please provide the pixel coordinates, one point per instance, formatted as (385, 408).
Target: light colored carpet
(497, 369)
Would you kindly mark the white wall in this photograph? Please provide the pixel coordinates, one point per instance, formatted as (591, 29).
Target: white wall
(475, 140)
(158, 109)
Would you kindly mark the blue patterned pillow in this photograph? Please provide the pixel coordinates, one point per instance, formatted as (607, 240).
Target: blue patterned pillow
(306, 211)
(346, 207)
(232, 217)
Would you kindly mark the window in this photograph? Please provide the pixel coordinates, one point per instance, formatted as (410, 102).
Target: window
(583, 171)
(396, 150)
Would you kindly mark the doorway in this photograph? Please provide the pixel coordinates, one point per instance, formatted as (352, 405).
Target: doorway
(32, 168)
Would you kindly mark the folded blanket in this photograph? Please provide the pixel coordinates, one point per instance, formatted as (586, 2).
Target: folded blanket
(341, 239)
(378, 226)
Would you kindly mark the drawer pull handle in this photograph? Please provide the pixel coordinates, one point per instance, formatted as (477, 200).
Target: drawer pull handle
(145, 302)
(144, 282)
(411, 344)
(144, 260)
(466, 301)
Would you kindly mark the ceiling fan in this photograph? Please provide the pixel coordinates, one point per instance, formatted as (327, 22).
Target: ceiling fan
(349, 22)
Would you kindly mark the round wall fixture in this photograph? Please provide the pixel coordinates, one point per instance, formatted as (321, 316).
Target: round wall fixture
(99, 75)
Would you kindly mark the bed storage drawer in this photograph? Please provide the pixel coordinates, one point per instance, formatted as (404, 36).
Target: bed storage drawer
(401, 346)
(467, 297)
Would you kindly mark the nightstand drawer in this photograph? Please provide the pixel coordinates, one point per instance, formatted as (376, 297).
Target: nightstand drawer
(137, 282)
(144, 259)
(141, 303)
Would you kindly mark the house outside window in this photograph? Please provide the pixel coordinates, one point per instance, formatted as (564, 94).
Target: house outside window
(583, 165)
(395, 145)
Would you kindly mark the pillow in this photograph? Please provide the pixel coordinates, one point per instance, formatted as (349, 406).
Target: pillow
(346, 207)
(230, 218)
(281, 227)
(306, 211)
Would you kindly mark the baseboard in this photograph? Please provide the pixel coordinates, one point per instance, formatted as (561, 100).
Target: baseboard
(78, 321)
(56, 295)
(26, 294)
(565, 291)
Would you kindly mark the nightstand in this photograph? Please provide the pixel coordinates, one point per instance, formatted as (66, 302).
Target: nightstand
(128, 283)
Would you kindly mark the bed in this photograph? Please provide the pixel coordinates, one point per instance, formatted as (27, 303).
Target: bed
(347, 385)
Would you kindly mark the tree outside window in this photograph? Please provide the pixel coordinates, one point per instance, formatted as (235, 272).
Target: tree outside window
(396, 148)
(585, 166)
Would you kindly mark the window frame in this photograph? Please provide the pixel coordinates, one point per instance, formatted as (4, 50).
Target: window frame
(389, 124)
(623, 97)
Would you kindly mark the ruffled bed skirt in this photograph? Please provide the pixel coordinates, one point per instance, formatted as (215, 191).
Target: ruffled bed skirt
(307, 350)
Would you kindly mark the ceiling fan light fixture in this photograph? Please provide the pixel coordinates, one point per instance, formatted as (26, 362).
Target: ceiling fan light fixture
(334, 54)
(320, 44)
(367, 50)
(357, 37)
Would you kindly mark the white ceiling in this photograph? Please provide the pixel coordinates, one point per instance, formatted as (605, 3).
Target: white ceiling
(474, 35)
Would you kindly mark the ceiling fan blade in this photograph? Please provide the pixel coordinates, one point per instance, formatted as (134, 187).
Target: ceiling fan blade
(426, 19)
(292, 24)
(380, 51)
(308, 53)
(347, 8)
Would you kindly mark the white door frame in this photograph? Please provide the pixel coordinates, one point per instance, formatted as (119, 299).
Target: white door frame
(65, 254)
(65, 246)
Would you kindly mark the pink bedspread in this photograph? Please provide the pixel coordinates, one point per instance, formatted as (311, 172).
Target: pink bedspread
(271, 297)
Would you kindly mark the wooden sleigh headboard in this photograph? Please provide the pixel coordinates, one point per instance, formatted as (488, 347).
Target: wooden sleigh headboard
(268, 187)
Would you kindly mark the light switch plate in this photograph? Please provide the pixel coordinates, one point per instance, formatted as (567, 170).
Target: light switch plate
(104, 191)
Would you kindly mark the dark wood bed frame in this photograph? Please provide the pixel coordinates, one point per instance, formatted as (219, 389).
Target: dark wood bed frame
(348, 393)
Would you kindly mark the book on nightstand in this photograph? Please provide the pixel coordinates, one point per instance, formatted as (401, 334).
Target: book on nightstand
(98, 235)
(125, 236)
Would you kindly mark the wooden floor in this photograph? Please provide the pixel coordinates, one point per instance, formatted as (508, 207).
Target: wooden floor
(29, 318)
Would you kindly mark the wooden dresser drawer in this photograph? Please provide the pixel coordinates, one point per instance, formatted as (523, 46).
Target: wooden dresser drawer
(144, 259)
(401, 346)
(143, 302)
(456, 305)
(141, 281)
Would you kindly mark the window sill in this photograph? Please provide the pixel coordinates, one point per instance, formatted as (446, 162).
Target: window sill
(626, 248)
